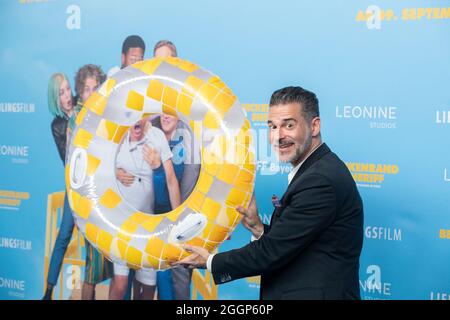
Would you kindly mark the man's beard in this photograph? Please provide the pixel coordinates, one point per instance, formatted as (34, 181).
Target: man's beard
(301, 151)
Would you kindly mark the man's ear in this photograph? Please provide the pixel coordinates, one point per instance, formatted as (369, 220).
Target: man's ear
(315, 127)
(123, 60)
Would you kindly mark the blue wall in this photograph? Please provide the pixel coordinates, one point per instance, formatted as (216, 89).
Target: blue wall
(383, 91)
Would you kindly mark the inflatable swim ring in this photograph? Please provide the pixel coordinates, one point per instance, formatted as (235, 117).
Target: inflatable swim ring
(217, 120)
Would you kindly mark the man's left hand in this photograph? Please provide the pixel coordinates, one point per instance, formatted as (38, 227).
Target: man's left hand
(197, 259)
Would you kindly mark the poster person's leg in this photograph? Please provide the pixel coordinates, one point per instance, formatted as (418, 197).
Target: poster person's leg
(164, 285)
(131, 275)
(59, 250)
(181, 279)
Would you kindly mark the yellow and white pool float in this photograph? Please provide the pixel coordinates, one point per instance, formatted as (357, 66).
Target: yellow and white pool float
(207, 217)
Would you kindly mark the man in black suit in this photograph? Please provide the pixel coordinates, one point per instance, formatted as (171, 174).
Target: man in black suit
(312, 247)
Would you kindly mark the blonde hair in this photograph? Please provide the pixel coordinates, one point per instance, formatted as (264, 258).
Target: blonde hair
(166, 43)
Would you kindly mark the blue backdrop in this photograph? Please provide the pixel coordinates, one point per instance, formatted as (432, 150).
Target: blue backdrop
(380, 69)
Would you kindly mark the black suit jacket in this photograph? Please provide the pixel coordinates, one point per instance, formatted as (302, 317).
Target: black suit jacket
(312, 247)
(59, 132)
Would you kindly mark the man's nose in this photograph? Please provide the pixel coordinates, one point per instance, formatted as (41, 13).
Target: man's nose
(275, 136)
(281, 134)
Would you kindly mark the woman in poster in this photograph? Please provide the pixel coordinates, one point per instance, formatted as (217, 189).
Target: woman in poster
(61, 106)
(64, 107)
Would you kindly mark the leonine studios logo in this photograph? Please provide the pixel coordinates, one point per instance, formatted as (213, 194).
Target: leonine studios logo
(376, 117)
(18, 154)
(16, 287)
(371, 175)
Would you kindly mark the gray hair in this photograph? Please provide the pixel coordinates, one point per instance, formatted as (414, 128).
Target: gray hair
(306, 99)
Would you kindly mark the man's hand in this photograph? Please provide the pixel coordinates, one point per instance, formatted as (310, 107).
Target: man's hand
(197, 259)
(251, 219)
(152, 157)
(124, 177)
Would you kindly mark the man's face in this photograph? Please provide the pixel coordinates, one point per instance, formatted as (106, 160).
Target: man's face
(289, 133)
(90, 85)
(163, 52)
(137, 131)
(65, 96)
(168, 123)
(133, 55)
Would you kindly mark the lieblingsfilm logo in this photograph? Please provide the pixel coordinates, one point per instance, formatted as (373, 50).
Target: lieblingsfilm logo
(383, 233)
(17, 107)
(443, 117)
(446, 175)
(15, 244)
(371, 175)
(439, 295)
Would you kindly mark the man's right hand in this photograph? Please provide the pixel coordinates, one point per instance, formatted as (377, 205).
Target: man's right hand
(152, 157)
(251, 219)
(124, 177)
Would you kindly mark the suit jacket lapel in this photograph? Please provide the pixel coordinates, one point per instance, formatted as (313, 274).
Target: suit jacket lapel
(316, 155)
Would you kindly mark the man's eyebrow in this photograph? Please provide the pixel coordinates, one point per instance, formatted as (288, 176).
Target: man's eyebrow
(283, 120)
(289, 119)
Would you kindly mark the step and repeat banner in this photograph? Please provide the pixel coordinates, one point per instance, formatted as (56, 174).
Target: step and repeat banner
(381, 71)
